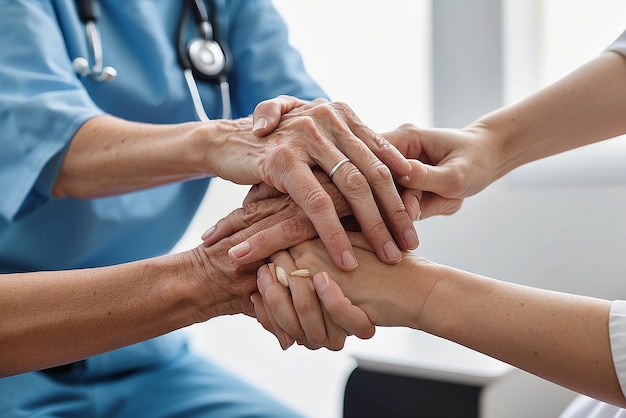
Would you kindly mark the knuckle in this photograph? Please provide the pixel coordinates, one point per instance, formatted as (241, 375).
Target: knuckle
(318, 199)
(407, 127)
(377, 228)
(237, 218)
(292, 228)
(336, 343)
(320, 100)
(318, 338)
(326, 109)
(304, 124)
(381, 174)
(456, 182)
(399, 215)
(250, 210)
(382, 144)
(342, 108)
(356, 182)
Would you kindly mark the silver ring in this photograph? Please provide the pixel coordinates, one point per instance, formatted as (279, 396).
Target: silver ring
(336, 167)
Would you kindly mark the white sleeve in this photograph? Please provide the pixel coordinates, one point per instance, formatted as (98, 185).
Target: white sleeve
(619, 45)
(617, 333)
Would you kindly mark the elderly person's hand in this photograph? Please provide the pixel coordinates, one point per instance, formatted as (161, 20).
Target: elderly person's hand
(359, 162)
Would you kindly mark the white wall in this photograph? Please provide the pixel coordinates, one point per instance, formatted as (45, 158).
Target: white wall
(375, 56)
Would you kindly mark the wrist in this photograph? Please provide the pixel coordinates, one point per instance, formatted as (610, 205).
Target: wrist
(407, 288)
(424, 278)
(223, 148)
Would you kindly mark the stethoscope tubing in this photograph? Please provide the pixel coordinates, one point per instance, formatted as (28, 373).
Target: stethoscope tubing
(88, 11)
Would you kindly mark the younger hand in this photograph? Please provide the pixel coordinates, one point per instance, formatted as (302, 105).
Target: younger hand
(448, 165)
(388, 295)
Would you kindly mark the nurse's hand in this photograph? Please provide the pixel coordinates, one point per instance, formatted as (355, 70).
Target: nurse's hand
(324, 135)
(448, 165)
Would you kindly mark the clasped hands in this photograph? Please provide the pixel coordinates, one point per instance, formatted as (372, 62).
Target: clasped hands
(376, 193)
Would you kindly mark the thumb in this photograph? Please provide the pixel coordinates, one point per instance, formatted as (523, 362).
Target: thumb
(420, 177)
(442, 180)
(268, 113)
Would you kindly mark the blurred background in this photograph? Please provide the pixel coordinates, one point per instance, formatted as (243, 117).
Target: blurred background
(550, 224)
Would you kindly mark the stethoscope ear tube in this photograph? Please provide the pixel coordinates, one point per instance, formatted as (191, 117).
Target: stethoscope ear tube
(205, 57)
(88, 12)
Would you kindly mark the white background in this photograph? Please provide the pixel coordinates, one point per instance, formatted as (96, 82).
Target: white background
(375, 56)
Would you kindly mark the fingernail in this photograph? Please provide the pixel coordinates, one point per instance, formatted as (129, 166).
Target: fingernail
(348, 260)
(208, 233)
(412, 241)
(321, 282)
(240, 250)
(260, 123)
(392, 252)
(310, 283)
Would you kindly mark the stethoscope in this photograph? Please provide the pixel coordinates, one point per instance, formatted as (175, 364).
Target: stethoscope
(205, 57)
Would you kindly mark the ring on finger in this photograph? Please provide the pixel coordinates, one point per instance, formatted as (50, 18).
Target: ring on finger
(336, 167)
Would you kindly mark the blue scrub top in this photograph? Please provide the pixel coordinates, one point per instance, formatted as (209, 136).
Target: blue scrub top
(43, 102)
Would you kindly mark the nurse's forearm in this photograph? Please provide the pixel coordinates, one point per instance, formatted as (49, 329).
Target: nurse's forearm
(110, 156)
(582, 108)
(560, 337)
(53, 318)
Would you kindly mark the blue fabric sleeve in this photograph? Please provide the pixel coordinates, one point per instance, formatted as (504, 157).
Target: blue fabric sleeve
(42, 104)
(265, 64)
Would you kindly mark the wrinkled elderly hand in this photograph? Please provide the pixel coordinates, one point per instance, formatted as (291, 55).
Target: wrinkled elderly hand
(237, 281)
(285, 223)
(323, 134)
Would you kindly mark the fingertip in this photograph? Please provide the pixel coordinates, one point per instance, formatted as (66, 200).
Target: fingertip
(348, 260)
(208, 233)
(321, 282)
(264, 278)
(259, 126)
(418, 176)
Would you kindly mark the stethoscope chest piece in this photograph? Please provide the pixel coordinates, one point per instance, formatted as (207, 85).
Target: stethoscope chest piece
(207, 57)
(204, 56)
